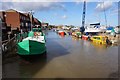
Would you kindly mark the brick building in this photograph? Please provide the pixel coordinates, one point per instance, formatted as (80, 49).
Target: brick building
(14, 21)
(36, 22)
(44, 25)
(3, 26)
(18, 20)
(2, 19)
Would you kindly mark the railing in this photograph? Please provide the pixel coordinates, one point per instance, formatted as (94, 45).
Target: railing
(10, 44)
(7, 45)
(21, 36)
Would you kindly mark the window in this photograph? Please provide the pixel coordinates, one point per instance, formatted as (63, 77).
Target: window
(94, 37)
(23, 18)
(22, 24)
(98, 38)
(29, 24)
(28, 19)
(26, 24)
(20, 17)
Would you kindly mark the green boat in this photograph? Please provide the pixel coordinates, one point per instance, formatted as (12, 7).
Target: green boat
(34, 44)
(78, 34)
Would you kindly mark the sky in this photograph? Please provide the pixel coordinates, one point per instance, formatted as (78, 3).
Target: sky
(59, 12)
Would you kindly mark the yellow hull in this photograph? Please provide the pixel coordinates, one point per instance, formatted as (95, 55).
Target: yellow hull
(99, 39)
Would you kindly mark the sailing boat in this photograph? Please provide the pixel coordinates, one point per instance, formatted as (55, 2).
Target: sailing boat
(34, 44)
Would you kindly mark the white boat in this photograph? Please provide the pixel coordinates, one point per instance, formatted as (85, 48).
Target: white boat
(60, 31)
(94, 29)
(117, 29)
(75, 28)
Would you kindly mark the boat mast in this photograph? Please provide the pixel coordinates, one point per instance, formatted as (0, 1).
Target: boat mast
(83, 18)
(105, 15)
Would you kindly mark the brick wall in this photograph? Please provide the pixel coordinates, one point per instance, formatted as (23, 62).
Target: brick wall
(12, 19)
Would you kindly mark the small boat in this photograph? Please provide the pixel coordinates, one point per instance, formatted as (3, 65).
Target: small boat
(33, 44)
(61, 33)
(84, 37)
(77, 34)
(117, 29)
(73, 34)
(99, 39)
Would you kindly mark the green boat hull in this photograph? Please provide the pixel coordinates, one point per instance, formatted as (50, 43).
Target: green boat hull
(30, 47)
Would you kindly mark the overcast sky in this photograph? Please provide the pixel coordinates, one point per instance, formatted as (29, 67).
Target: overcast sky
(63, 12)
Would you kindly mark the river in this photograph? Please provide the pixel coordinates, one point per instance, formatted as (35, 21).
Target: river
(66, 57)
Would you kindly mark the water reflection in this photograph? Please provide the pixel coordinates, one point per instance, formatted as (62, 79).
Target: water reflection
(75, 38)
(29, 66)
(100, 46)
(62, 36)
(68, 57)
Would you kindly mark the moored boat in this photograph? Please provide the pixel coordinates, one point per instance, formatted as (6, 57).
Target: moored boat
(77, 34)
(61, 33)
(32, 45)
(100, 40)
(84, 37)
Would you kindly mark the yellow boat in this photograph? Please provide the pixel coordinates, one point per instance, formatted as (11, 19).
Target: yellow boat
(99, 39)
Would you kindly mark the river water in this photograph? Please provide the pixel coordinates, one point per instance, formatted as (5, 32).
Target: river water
(67, 57)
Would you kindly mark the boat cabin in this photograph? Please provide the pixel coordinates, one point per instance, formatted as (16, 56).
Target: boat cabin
(35, 32)
(99, 39)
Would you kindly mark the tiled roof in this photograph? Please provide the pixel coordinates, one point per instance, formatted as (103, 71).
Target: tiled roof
(36, 20)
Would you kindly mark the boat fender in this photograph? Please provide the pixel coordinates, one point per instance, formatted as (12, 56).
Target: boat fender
(35, 34)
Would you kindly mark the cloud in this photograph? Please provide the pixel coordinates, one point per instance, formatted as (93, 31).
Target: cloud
(55, 0)
(35, 6)
(115, 12)
(44, 5)
(79, 1)
(64, 17)
(104, 6)
(60, 16)
(29, 0)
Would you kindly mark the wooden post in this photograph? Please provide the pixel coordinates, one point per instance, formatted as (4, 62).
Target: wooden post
(8, 37)
(8, 43)
(15, 38)
(15, 41)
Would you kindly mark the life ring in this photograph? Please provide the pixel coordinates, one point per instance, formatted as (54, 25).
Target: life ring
(35, 34)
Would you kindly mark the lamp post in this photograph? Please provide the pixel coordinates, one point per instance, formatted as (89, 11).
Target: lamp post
(31, 18)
